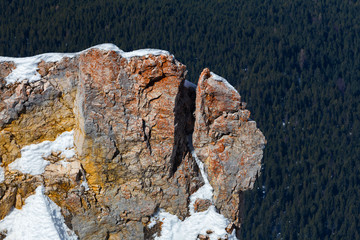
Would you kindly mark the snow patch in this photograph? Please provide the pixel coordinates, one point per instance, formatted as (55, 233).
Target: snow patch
(221, 79)
(85, 185)
(144, 52)
(105, 47)
(206, 191)
(173, 228)
(2, 174)
(39, 218)
(189, 84)
(32, 156)
(84, 182)
(26, 68)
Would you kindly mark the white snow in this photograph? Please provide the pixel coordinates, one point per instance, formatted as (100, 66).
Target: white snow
(173, 228)
(221, 79)
(84, 182)
(189, 84)
(40, 218)
(32, 161)
(2, 174)
(105, 47)
(206, 191)
(85, 185)
(144, 52)
(26, 67)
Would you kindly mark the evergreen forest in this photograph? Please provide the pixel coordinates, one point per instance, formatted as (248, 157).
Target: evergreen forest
(296, 64)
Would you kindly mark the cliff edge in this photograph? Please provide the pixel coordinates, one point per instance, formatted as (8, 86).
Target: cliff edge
(102, 138)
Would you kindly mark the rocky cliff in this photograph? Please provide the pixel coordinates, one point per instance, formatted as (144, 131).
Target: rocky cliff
(106, 136)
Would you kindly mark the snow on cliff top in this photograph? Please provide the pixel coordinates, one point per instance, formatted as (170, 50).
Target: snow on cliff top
(144, 52)
(32, 161)
(221, 79)
(26, 67)
(39, 218)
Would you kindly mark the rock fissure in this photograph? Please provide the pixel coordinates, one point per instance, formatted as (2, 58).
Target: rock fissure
(147, 135)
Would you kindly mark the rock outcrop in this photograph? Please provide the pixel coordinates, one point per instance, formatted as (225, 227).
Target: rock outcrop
(131, 115)
(227, 141)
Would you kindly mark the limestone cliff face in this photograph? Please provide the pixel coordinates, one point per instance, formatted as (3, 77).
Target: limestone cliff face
(131, 115)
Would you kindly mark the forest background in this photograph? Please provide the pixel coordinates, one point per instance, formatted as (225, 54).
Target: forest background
(296, 63)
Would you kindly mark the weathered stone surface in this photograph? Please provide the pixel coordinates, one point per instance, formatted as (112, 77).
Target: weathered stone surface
(5, 69)
(131, 118)
(230, 228)
(203, 237)
(15, 189)
(31, 112)
(227, 141)
(129, 137)
(201, 205)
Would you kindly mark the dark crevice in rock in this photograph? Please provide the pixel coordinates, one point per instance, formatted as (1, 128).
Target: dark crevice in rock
(78, 176)
(116, 153)
(190, 143)
(150, 232)
(107, 235)
(147, 135)
(83, 174)
(155, 98)
(153, 81)
(184, 125)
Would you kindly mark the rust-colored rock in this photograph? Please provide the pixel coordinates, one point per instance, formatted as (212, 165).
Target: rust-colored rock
(5, 69)
(203, 237)
(230, 228)
(128, 134)
(227, 141)
(201, 205)
(131, 116)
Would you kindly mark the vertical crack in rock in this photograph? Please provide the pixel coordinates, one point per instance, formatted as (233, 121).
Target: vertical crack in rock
(147, 135)
(184, 124)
